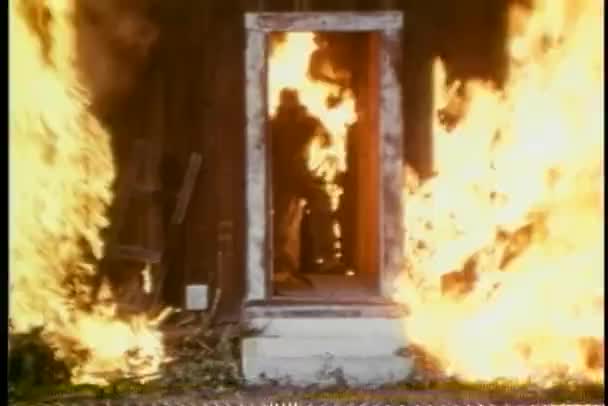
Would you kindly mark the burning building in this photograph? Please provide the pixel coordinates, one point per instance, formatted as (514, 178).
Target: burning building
(350, 180)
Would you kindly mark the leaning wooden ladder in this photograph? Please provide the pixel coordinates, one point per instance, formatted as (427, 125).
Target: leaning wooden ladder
(150, 257)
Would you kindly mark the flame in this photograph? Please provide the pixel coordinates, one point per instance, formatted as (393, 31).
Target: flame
(61, 172)
(504, 245)
(288, 68)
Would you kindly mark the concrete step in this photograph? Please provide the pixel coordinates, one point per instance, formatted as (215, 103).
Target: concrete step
(304, 351)
(329, 327)
(326, 370)
(294, 347)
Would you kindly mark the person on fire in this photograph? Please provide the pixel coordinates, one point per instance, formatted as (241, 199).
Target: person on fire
(297, 192)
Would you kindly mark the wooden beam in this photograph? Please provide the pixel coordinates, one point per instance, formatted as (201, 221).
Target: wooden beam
(391, 162)
(135, 254)
(194, 166)
(301, 5)
(177, 218)
(388, 4)
(125, 190)
(316, 21)
(289, 308)
(258, 239)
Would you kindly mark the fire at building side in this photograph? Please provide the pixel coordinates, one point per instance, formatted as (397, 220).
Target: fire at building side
(384, 191)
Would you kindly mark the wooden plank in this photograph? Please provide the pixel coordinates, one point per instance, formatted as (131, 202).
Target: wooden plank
(125, 190)
(152, 227)
(123, 197)
(367, 167)
(257, 249)
(194, 166)
(391, 160)
(318, 21)
(388, 4)
(151, 240)
(200, 259)
(301, 5)
(134, 253)
(332, 6)
(230, 125)
(178, 82)
(289, 309)
(177, 218)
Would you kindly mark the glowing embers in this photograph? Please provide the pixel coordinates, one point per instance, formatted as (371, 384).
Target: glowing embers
(314, 82)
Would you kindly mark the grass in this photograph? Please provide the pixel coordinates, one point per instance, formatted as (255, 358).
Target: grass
(404, 393)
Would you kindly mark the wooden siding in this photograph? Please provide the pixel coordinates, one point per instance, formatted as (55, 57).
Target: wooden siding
(192, 100)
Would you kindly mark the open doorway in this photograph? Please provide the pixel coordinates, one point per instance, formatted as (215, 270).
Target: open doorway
(324, 164)
(324, 158)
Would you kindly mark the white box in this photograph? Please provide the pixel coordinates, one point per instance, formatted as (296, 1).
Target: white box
(196, 297)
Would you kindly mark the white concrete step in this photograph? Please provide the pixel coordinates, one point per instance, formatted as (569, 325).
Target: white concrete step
(328, 370)
(306, 351)
(329, 327)
(290, 347)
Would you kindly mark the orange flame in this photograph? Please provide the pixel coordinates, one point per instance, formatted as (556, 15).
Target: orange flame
(288, 68)
(61, 171)
(516, 212)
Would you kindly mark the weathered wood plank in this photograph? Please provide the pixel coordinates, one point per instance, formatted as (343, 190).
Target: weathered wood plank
(256, 199)
(178, 215)
(152, 233)
(278, 309)
(332, 6)
(317, 21)
(124, 194)
(125, 190)
(194, 166)
(391, 150)
(182, 134)
(135, 254)
(201, 257)
(301, 5)
(228, 131)
(388, 4)
(366, 233)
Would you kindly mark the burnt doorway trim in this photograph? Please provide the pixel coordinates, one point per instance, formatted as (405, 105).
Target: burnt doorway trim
(258, 217)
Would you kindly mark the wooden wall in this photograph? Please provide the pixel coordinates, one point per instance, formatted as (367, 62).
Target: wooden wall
(191, 100)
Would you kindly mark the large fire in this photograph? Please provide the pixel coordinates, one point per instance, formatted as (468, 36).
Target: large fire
(505, 257)
(288, 68)
(504, 244)
(61, 172)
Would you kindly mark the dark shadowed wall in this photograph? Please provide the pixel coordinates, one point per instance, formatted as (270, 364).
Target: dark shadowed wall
(191, 99)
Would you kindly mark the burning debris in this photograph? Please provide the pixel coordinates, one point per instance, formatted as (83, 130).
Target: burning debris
(200, 355)
(505, 243)
(61, 174)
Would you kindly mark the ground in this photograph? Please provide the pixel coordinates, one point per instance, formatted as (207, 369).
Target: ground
(452, 393)
(205, 370)
(268, 395)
